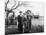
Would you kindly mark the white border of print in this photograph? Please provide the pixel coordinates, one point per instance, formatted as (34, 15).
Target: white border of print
(2, 18)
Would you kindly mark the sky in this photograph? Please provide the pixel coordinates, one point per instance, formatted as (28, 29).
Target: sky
(35, 7)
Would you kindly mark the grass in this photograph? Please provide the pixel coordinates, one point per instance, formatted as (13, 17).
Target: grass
(37, 28)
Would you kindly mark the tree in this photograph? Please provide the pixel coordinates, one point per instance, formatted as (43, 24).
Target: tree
(15, 5)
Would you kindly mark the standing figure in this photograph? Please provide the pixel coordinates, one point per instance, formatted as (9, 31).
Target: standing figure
(29, 17)
(20, 25)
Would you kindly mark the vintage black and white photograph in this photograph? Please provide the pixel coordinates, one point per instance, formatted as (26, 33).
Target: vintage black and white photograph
(22, 17)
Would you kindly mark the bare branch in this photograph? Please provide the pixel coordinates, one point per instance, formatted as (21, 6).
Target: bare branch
(17, 6)
(14, 4)
(6, 3)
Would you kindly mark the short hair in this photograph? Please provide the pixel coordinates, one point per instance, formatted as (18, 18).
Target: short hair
(20, 12)
(28, 11)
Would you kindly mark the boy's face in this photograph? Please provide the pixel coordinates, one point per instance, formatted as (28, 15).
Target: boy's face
(20, 13)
